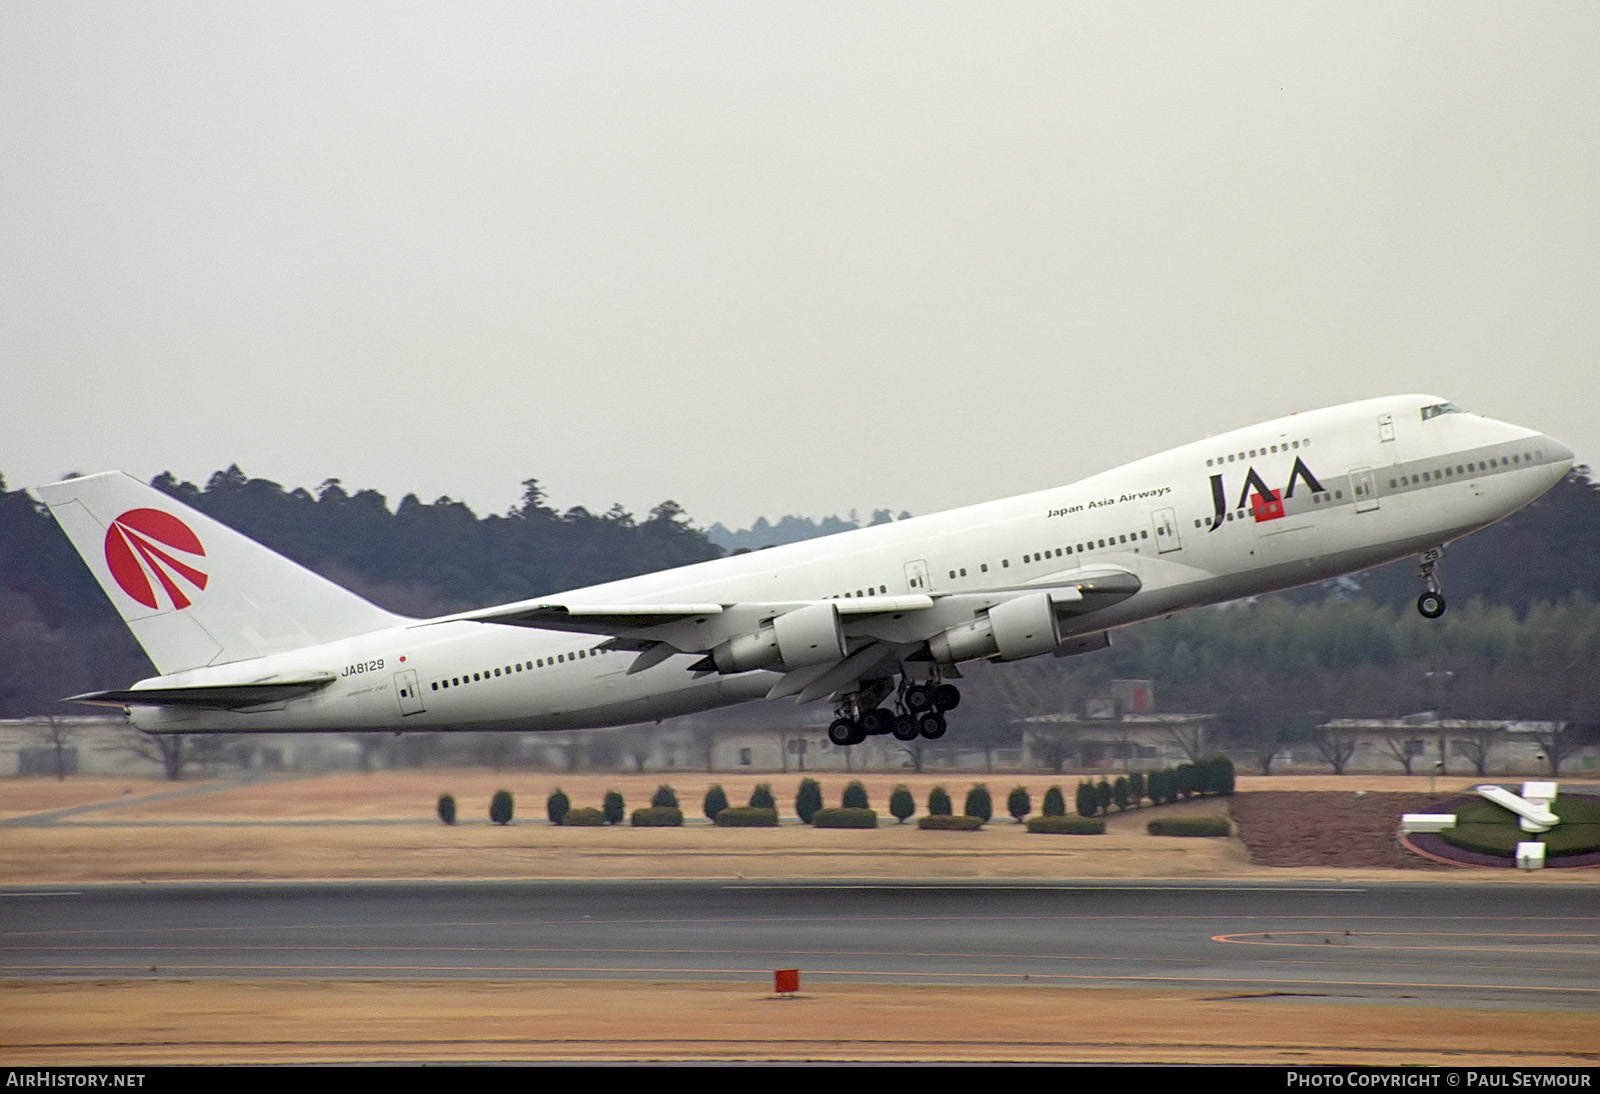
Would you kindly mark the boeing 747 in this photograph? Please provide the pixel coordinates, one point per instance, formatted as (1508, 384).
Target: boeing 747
(876, 621)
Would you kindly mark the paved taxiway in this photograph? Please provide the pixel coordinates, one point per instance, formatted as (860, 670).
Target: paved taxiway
(1438, 942)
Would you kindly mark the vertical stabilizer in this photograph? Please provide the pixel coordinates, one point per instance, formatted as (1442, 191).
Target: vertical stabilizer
(195, 592)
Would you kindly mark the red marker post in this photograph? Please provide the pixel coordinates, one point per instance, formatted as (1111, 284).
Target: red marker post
(786, 981)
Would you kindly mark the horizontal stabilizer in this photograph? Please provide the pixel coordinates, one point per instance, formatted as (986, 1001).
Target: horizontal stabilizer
(209, 696)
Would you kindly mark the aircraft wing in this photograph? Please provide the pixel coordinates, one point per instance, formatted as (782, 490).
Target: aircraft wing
(616, 619)
(852, 636)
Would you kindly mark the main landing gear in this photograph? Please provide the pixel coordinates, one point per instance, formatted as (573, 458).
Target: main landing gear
(1431, 603)
(919, 712)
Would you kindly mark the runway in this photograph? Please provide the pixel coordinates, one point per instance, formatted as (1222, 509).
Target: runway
(1440, 943)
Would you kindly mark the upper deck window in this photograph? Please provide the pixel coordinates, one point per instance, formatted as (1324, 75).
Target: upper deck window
(1440, 408)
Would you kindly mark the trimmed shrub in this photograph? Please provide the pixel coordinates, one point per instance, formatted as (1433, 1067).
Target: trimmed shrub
(500, 807)
(1216, 774)
(1068, 826)
(808, 799)
(584, 817)
(943, 822)
(1102, 791)
(1189, 826)
(747, 816)
(938, 802)
(855, 797)
(1018, 803)
(1188, 780)
(664, 798)
(716, 802)
(1155, 786)
(761, 797)
(1119, 792)
(1088, 800)
(1055, 805)
(845, 818)
(557, 806)
(901, 804)
(614, 808)
(1136, 787)
(978, 803)
(447, 808)
(658, 816)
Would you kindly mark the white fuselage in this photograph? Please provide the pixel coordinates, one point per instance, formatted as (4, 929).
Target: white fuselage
(1291, 501)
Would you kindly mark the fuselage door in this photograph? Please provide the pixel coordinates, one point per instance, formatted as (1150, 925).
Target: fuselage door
(1385, 427)
(406, 690)
(1364, 488)
(917, 576)
(1165, 526)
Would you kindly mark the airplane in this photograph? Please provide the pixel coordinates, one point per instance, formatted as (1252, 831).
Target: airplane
(878, 621)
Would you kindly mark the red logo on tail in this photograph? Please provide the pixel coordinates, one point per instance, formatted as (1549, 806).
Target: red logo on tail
(134, 551)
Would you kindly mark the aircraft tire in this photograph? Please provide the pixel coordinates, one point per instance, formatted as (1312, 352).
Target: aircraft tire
(1431, 605)
(946, 697)
(842, 732)
(932, 725)
(919, 698)
(875, 723)
(904, 728)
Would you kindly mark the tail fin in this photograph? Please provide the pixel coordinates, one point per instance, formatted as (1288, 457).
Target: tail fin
(195, 592)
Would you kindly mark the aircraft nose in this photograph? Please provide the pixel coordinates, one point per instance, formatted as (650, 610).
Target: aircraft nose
(1559, 455)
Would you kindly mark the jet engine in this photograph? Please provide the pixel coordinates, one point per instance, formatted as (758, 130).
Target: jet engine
(1010, 631)
(806, 636)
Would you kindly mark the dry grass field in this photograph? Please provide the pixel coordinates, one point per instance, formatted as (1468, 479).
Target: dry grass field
(384, 825)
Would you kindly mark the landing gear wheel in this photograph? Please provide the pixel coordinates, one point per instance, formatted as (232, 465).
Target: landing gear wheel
(919, 697)
(931, 726)
(946, 697)
(1431, 605)
(875, 723)
(904, 728)
(842, 732)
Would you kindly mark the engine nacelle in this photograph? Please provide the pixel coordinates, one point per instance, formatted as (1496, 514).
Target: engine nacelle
(1022, 627)
(806, 636)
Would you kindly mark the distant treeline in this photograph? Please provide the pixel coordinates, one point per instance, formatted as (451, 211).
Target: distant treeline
(59, 635)
(791, 529)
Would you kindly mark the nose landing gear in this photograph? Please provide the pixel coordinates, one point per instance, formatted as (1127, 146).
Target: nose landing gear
(1431, 603)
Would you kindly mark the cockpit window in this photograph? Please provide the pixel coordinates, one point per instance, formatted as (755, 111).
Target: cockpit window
(1440, 408)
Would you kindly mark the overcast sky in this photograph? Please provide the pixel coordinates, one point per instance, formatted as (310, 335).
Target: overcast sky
(765, 258)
